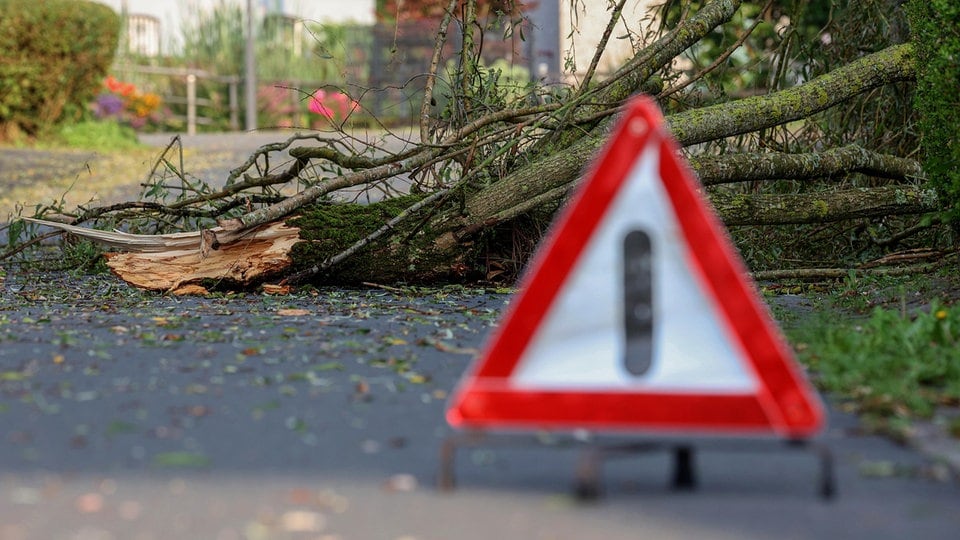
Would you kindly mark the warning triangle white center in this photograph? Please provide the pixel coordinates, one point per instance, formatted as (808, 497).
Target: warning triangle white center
(636, 313)
(584, 322)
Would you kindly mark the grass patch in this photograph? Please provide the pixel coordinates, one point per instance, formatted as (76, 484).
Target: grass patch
(95, 135)
(891, 366)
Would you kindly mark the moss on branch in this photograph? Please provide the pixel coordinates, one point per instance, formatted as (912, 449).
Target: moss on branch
(730, 168)
(765, 209)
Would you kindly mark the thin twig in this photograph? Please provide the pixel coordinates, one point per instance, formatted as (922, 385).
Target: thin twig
(31, 242)
(264, 150)
(578, 98)
(432, 74)
(467, 45)
(601, 47)
(381, 286)
(720, 59)
(173, 140)
(906, 233)
(839, 273)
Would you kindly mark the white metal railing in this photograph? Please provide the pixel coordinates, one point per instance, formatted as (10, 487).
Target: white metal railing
(299, 92)
(190, 77)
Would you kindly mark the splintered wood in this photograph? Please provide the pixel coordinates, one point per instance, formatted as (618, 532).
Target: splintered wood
(261, 252)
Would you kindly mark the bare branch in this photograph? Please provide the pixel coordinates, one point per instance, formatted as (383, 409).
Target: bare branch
(432, 74)
(719, 60)
(601, 46)
(730, 168)
(822, 207)
(750, 114)
(840, 273)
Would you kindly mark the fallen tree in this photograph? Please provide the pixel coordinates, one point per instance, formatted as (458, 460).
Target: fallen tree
(485, 179)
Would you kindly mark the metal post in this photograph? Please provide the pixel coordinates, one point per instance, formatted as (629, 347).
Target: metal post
(124, 46)
(250, 75)
(684, 477)
(234, 108)
(191, 104)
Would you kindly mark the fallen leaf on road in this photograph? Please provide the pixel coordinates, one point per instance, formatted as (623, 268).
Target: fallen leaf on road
(878, 469)
(447, 348)
(89, 503)
(198, 411)
(191, 290)
(276, 289)
(181, 460)
(294, 312)
(302, 521)
(401, 483)
(417, 378)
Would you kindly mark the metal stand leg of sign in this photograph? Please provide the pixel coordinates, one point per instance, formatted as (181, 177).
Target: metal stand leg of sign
(684, 467)
(684, 474)
(589, 471)
(592, 460)
(446, 476)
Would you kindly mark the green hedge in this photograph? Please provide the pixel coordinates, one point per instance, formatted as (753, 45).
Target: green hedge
(935, 32)
(53, 57)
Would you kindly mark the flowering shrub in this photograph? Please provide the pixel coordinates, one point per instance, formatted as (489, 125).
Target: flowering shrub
(275, 107)
(53, 57)
(124, 102)
(335, 106)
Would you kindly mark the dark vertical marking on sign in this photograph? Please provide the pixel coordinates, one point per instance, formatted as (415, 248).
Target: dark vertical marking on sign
(638, 302)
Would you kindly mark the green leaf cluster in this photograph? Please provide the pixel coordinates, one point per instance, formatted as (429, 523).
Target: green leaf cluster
(891, 365)
(53, 57)
(935, 29)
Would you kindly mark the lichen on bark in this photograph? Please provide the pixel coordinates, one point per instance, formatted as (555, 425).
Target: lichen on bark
(328, 229)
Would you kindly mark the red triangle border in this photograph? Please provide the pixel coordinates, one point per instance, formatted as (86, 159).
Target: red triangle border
(785, 405)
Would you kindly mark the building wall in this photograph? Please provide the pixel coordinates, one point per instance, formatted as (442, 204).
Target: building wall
(586, 21)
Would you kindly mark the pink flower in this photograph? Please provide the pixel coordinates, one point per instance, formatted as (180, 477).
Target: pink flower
(317, 106)
(340, 100)
(330, 105)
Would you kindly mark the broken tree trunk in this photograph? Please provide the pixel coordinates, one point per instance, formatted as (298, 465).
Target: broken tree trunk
(174, 262)
(440, 240)
(241, 263)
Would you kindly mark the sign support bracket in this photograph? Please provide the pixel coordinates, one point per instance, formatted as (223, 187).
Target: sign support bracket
(588, 483)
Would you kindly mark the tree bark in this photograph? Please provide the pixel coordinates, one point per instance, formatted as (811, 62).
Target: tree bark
(763, 209)
(731, 168)
(241, 263)
(890, 65)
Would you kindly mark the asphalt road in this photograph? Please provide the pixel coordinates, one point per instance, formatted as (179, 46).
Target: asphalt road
(320, 415)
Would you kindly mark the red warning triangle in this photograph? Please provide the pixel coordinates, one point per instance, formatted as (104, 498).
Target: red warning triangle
(637, 314)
